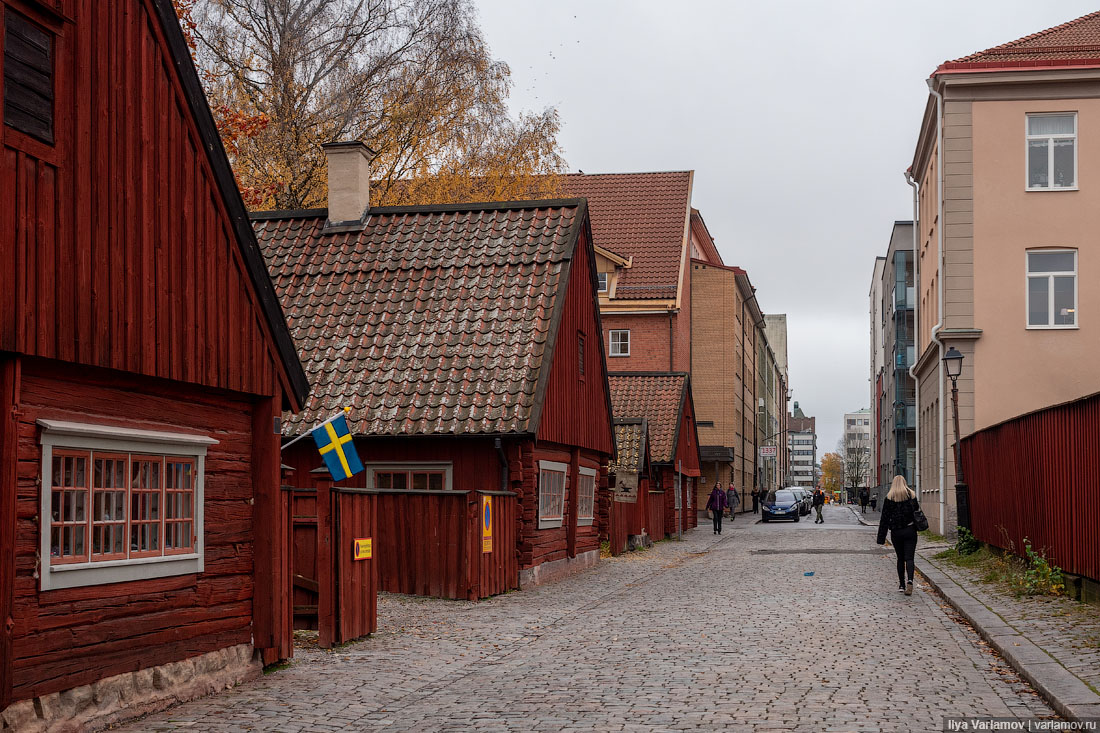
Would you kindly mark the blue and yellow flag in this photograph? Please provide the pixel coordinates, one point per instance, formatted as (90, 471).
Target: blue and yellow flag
(335, 443)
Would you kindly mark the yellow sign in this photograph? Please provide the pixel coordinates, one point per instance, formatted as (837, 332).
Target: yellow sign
(362, 550)
(486, 524)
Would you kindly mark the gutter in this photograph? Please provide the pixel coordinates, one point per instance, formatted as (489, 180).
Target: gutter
(916, 320)
(940, 223)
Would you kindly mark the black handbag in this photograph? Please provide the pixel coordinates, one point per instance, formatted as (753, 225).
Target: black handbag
(919, 520)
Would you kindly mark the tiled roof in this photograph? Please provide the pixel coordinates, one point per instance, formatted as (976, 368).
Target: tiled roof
(1077, 40)
(630, 440)
(659, 398)
(429, 321)
(641, 215)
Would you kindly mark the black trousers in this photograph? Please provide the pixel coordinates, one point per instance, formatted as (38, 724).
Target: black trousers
(717, 519)
(755, 505)
(905, 546)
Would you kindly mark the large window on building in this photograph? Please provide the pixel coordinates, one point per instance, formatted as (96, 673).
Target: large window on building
(1052, 288)
(586, 497)
(119, 504)
(620, 343)
(551, 493)
(1051, 151)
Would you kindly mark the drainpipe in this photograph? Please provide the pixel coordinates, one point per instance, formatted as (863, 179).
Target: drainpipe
(503, 464)
(939, 284)
(916, 318)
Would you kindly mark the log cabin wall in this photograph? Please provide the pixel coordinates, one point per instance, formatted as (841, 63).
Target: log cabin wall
(69, 637)
(117, 249)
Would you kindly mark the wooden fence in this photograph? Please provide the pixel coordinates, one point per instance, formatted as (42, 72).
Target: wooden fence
(1036, 477)
(431, 543)
(655, 515)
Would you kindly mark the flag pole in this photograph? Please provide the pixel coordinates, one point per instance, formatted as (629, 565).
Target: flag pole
(338, 415)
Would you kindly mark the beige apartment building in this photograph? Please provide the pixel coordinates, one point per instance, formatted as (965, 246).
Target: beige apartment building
(1006, 177)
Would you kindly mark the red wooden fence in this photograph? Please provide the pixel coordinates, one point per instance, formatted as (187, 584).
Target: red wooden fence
(429, 543)
(1037, 476)
(655, 515)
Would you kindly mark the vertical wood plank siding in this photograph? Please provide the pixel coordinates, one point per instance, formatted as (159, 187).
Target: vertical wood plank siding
(1037, 477)
(655, 515)
(116, 249)
(356, 580)
(575, 411)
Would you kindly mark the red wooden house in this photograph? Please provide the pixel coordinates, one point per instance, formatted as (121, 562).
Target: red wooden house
(631, 505)
(467, 340)
(144, 365)
(664, 400)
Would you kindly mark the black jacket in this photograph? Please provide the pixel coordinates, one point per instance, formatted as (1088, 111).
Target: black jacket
(895, 515)
(819, 498)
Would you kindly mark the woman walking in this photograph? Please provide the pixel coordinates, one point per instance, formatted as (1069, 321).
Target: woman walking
(899, 516)
(733, 501)
(716, 504)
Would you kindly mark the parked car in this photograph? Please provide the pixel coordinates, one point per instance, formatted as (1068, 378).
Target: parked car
(781, 504)
(805, 499)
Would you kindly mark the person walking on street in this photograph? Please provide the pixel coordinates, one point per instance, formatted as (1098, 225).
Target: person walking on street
(755, 500)
(716, 504)
(819, 503)
(874, 500)
(864, 497)
(899, 517)
(733, 501)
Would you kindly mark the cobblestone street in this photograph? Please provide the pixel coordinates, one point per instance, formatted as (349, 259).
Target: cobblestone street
(711, 633)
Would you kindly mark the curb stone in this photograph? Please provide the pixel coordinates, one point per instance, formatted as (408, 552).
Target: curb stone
(1067, 694)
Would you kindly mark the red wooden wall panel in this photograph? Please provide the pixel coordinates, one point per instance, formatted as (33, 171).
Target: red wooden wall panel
(1038, 477)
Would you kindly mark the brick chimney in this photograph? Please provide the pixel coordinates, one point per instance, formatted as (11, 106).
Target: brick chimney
(348, 182)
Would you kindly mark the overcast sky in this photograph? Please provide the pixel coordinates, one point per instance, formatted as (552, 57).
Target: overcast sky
(798, 118)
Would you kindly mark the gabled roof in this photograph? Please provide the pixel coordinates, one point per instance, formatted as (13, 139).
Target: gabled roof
(631, 436)
(432, 320)
(231, 197)
(643, 216)
(658, 397)
(1072, 44)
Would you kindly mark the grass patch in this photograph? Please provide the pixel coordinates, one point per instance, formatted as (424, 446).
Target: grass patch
(273, 668)
(978, 559)
(931, 536)
(1033, 576)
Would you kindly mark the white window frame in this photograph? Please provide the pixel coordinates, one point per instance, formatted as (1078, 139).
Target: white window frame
(406, 466)
(563, 468)
(603, 281)
(583, 521)
(1028, 137)
(91, 437)
(611, 342)
(1028, 276)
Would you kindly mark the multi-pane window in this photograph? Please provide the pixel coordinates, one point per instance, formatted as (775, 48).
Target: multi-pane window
(620, 343)
(551, 493)
(1052, 288)
(420, 480)
(601, 277)
(1052, 151)
(108, 506)
(586, 497)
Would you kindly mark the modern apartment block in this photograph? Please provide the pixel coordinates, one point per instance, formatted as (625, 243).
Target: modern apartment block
(858, 450)
(1006, 177)
(802, 445)
(893, 398)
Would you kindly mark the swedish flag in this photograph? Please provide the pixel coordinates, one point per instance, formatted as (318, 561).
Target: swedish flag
(334, 441)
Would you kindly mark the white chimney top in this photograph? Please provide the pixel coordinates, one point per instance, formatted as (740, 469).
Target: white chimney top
(348, 182)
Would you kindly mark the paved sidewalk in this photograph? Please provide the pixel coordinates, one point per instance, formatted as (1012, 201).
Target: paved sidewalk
(770, 627)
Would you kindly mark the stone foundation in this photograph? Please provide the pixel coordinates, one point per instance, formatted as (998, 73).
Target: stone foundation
(133, 694)
(548, 572)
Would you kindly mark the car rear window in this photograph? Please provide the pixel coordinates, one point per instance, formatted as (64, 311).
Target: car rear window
(781, 497)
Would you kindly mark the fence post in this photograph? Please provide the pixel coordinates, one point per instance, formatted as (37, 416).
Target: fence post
(326, 575)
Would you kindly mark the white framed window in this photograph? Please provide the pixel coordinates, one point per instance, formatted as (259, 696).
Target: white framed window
(119, 504)
(552, 483)
(1052, 151)
(409, 475)
(1052, 288)
(619, 343)
(586, 496)
(601, 278)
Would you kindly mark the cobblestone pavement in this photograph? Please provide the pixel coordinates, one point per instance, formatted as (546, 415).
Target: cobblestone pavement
(710, 633)
(1065, 629)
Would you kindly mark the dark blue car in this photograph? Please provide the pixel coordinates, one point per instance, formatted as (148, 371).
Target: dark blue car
(781, 504)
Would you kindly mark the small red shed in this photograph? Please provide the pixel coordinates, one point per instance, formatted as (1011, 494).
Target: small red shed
(466, 338)
(144, 365)
(664, 400)
(632, 510)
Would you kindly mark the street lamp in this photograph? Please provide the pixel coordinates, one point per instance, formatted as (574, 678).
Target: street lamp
(952, 364)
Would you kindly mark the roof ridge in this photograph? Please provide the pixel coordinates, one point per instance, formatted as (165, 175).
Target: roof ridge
(1011, 45)
(631, 173)
(557, 203)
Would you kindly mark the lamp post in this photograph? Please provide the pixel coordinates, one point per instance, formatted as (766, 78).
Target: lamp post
(952, 364)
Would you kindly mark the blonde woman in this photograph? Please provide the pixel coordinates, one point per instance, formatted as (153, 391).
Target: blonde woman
(899, 516)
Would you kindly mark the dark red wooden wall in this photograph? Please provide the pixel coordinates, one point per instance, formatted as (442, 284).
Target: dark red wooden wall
(116, 248)
(575, 409)
(1036, 477)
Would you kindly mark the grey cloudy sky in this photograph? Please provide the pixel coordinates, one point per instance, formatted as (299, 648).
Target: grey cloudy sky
(798, 118)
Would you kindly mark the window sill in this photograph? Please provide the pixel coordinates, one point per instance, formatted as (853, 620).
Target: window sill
(1074, 327)
(584, 522)
(550, 523)
(1048, 189)
(615, 356)
(75, 575)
